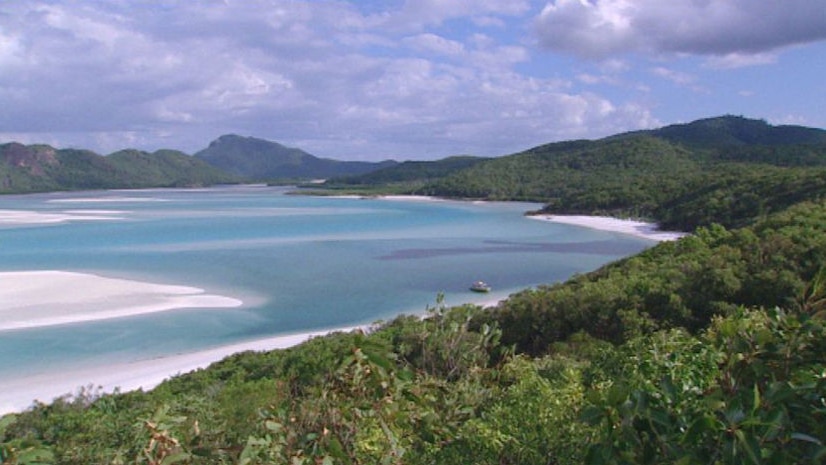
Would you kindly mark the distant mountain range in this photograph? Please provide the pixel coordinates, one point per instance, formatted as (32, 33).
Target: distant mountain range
(229, 159)
(41, 168)
(635, 173)
(262, 160)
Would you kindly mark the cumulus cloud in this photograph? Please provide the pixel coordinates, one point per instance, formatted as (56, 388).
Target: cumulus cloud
(336, 80)
(602, 28)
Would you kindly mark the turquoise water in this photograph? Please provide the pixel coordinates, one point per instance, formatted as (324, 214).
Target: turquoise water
(299, 263)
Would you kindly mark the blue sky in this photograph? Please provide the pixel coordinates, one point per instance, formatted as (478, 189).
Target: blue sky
(402, 79)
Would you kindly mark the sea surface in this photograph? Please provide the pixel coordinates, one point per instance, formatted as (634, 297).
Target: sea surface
(299, 263)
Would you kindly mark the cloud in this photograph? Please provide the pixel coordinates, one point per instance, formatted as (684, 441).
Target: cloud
(598, 29)
(325, 76)
(739, 60)
(433, 43)
(418, 14)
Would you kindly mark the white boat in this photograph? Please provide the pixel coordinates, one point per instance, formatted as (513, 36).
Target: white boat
(480, 286)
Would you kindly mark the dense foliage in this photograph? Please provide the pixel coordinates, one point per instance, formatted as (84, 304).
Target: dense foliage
(407, 175)
(727, 170)
(40, 168)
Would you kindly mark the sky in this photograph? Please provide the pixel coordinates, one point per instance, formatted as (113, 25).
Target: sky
(399, 79)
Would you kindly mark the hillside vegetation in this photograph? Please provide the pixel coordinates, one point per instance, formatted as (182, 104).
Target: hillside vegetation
(728, 170)
(41, 168)
(406, 175)
(263, 160)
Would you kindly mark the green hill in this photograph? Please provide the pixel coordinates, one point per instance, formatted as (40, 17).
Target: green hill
(408, 173)
(262, 160)
(728, 131)
(734, 168)
(40, 168)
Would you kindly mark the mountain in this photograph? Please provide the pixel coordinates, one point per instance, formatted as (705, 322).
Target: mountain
(731, 131)
(40, 168)
(258, 159)
(409, 172)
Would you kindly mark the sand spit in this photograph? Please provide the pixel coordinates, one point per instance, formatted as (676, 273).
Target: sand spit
(25, 217)
(30, 299)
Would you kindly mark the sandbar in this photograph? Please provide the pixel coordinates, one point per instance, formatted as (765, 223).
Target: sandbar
(30, 299)
(106, 199)
(604, 223)
(26, 217)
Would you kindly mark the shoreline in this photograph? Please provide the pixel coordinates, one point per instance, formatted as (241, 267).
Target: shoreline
(20, 394)
(635, 228)
(24, 293)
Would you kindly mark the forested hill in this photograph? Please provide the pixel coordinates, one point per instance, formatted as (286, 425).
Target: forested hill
(263, 160)
(728, 131)
(730, 170)
(408, 174)
(41, 168)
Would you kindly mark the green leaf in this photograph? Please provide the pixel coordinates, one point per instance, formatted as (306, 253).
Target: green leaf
(750, 445)
(756, 399)
(618, 394)
(175, 458)
(592, 415)
(807, 438)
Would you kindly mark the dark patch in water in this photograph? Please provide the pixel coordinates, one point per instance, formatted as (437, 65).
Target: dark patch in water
(592, 247)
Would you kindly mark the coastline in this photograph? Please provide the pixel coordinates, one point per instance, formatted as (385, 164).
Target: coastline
(20, 394)
(635, 228)
(112, 298)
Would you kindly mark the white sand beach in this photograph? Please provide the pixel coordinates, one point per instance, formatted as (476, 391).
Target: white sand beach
(604, 223)
(30, 299)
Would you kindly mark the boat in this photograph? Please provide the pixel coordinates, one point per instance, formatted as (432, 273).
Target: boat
(480, 286)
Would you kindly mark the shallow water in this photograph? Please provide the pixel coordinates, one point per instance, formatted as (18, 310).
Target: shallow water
(298, 263)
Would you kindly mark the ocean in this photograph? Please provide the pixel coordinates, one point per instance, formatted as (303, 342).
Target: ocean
(298, 263)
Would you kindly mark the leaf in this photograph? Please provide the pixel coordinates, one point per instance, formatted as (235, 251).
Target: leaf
(591, 415)
(701, 426)
(617, 394)
(273, 426)
(756, 399)
(750, 445)
(807, 438)
(175, 458)
(337, 450)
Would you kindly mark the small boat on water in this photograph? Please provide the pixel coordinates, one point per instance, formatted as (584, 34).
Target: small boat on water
(480, 286)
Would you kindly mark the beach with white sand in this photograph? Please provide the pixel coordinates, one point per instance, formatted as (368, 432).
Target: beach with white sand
(31, 299)
(623, 226)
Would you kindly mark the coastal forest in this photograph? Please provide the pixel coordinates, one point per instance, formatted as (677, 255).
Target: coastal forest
(708, 349)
